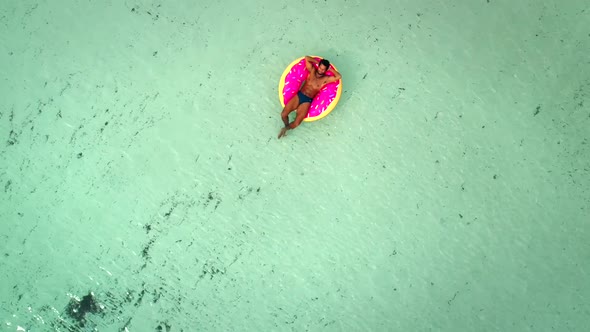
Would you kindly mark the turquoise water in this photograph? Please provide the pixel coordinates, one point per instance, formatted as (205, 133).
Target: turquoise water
(144, 188)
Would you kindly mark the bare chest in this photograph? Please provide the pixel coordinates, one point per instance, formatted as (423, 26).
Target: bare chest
(314, 82)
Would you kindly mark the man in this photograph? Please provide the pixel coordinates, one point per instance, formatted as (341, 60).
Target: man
(302, 100)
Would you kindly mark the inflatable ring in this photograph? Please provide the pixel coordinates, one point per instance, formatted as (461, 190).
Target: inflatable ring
(323, 103)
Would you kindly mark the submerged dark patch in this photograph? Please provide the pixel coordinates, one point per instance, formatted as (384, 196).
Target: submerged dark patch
(77, 310)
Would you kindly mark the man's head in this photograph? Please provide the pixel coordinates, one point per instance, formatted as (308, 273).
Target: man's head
(323, 67)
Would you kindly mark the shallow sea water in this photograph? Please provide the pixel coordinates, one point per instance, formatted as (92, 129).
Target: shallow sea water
(144, 188)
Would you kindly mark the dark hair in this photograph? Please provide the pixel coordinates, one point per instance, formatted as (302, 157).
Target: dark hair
(325, 63)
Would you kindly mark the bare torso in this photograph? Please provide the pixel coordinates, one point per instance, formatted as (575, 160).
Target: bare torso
(313, 84)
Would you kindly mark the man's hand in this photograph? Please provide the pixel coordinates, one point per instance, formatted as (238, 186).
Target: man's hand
(283, 132)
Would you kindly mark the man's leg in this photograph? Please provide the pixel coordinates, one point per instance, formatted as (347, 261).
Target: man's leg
(302, 111)
(289, 107)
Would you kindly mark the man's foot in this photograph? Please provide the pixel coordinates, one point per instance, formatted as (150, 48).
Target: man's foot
(283, 132)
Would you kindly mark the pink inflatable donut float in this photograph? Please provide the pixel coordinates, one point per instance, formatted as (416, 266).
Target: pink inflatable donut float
(323, 103)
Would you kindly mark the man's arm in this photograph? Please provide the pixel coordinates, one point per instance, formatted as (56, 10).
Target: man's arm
(334, 78)
(309, 61)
